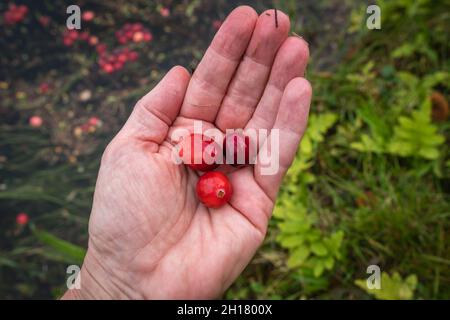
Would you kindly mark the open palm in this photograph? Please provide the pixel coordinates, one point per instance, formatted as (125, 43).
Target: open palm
(149, 235)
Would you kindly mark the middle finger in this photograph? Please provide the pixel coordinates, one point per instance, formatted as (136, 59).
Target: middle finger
(248, 83)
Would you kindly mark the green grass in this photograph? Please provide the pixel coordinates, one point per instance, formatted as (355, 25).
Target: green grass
(392, 205)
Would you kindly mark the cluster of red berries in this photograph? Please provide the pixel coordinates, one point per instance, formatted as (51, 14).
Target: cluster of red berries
(133, 32)
(110, 62)
(88, 127)
(15, 14)
(71, 36)
(92, 123)
(201, 153)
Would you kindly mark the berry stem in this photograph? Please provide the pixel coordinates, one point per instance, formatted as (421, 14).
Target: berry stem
(220, 193)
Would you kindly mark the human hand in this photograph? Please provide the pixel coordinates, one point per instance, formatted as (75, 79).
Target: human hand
(149, 237)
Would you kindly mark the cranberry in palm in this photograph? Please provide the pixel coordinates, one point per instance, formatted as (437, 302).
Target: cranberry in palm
(199, 152)
(214, 189)
(236, 147)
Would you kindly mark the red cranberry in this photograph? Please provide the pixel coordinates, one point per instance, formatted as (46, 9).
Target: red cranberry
(22, 219)
(199, 152)
(214, 189)
(88, 15)
(101, 48)
(93, 40)
(236, 147)
(84, 35)
(44, 20)
(36, 121)
(108, 68)
(133, 56)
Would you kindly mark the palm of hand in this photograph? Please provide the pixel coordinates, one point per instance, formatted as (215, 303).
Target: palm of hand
(148, 231)
(155, 226)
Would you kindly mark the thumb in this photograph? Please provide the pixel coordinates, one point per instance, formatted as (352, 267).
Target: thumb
(155, 112)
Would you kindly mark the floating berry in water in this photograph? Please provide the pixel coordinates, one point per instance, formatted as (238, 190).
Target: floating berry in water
(113, 61)
(93, 40)
(68, 42)
(122, 39)
(164, 11)
(84, 35)
(134, 32)
(236, 148)
(147, 36)
(138, 36)
(15, 14)
(108, 68)
(94, 121)
(22, 219)
(101, 48)
(88, 15)
(70, 36)
(133, 56)
(217, 24)
(44, 87)
(214, 189)
(118, 65)
(199, 152)
(36, 121)
(44, 20)
(137, 26)
(85, 127)
(122, 57)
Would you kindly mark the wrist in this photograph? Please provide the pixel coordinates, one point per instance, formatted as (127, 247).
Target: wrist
(92, 282)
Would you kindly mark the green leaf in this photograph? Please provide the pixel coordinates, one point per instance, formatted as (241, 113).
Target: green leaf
(416, 136)
(298, 257)
(329, 263)
(291, 241)
(440, 77)
(313, 236)
(392, 287)
(429, 153)
(7, 262)
(72, 251)
(367, 144)
(318, 269)
(411, 281)
(404, 50)
(435, 140)
(308, 178)
(292, 226)
(362, 283)
(319, 249)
